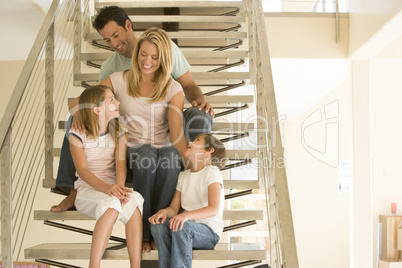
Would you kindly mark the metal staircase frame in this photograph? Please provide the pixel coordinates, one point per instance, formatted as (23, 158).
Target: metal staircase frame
(283, 251)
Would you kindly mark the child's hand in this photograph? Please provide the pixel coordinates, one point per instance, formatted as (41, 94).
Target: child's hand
(159, 217)
(178, 221)
(118, 191)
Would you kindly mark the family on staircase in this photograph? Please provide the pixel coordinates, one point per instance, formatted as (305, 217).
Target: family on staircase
(165, 153)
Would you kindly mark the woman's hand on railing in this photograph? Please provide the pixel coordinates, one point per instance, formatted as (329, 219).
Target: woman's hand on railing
(77, 123)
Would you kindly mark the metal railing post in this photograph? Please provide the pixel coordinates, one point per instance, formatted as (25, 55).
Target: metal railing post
(77, 39)
(6, 202)
(49, 104)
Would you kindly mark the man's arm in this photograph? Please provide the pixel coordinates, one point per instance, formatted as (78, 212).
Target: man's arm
(193, 93)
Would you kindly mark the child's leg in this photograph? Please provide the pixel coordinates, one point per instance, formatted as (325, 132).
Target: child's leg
(102, 231)
(193, 236)
(134, 238)
(162, 238)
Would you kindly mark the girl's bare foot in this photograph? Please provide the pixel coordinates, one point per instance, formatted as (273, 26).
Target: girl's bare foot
(66, 204)
(153, 246)
(146, 246)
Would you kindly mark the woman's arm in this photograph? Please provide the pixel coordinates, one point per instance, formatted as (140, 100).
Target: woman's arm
(214, 197)
(81, 165)
(175, 118)
(169, 212)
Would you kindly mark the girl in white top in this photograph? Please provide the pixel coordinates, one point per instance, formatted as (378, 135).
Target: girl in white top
(199, 192)
(99, 156)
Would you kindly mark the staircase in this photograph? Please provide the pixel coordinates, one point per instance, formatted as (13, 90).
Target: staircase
(221, 41)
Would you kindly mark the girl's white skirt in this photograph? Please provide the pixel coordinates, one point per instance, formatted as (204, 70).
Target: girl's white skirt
(94, 203)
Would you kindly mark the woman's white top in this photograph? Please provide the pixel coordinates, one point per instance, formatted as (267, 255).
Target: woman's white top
(147, 123)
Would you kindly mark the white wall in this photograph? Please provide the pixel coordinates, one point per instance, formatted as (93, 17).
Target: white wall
(386, 131)
(321, 214)
(9, 74)
(375, 42)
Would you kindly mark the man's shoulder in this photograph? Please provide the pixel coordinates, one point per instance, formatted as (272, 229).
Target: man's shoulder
(115, 63)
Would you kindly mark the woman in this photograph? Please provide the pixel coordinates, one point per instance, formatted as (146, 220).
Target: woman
(152, 105)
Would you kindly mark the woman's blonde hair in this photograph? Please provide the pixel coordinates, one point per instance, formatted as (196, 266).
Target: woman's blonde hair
(89, 99)
(162, 78)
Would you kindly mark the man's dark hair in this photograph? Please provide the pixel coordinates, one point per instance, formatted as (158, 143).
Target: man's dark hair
(110, 13)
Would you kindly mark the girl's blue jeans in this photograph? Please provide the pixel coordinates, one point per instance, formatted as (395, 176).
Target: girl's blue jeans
(175, 249)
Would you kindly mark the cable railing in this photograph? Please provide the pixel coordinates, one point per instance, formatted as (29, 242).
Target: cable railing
(283, 251)
(27, 127)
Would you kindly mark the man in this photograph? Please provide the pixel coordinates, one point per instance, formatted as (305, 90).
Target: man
(116, 29)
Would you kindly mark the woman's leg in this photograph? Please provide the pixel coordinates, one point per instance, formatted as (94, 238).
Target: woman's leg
(167, 173)
(196, 122)
(134, 238)
(141, 163)
(66, 174)
(102, 231)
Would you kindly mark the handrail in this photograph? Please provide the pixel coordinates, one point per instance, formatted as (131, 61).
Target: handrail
(26, 156)
(283, 244)
(20, 87)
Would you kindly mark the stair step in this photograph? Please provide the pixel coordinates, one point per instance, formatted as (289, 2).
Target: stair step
(185, 35)
(76, 216)
(239, 54)
(197, 76)
(216, 100)
(80, 251)
(227, 184)
(171, 4)
(230, 127)
(183, 18)
(230, 153)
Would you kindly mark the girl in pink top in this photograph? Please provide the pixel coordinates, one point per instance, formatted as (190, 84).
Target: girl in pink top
(99, 155)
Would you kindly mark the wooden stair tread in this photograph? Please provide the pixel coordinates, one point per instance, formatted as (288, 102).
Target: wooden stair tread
(80, 251)
(227, 184)
(94, 77)
(183, 18)
(236, 214)
(184, 35)
(199, 54)
(217, 100)
(216, 126)
(230, 153)
(171, 4)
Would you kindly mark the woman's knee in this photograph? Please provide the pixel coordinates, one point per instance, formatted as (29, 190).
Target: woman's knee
(142, 157)
(169, 159)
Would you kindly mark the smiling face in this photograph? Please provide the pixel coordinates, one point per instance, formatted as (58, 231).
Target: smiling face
(196, 150)
(120, 39)
(110, 106)
(148, 58)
